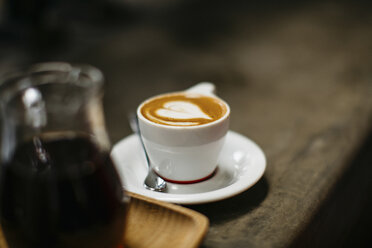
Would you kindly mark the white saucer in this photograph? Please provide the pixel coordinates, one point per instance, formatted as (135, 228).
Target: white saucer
(242, 164)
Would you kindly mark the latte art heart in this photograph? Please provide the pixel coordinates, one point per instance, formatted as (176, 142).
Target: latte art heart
(183, 109)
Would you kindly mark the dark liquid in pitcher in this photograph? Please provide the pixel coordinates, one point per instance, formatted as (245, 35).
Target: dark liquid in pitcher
(61, 193)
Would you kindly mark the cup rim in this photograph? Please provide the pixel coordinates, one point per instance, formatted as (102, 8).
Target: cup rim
(213, 123)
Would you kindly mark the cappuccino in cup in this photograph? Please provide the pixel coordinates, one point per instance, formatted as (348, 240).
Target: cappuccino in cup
(183, 109)
(184, 132)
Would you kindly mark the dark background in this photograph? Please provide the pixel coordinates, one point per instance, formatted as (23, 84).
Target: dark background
(144, 47)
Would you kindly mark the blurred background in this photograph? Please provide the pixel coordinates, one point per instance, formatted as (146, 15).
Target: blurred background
(270, 49)
(146, 46)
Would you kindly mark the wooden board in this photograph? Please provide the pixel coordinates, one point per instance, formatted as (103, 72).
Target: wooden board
(153, 223)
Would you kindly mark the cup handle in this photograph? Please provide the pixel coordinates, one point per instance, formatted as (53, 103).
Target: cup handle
(205, 88)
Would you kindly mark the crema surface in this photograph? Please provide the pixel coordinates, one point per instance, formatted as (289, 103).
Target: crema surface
(183, 109)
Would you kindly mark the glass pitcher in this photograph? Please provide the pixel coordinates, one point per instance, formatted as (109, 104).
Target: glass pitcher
(58, 185)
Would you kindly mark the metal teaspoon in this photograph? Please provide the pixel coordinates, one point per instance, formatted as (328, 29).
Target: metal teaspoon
(152, 181)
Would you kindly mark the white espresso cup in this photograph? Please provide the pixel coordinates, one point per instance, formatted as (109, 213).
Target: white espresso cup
(185, 154)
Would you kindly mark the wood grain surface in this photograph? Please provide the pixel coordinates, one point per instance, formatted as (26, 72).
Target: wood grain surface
(153, 223)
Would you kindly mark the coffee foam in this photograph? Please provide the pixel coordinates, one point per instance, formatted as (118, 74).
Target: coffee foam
(181, 110)
(187, 109)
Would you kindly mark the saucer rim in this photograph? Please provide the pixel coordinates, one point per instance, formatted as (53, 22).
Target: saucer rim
(228, 191)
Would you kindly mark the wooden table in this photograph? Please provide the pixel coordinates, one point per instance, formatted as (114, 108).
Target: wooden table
(299, 81)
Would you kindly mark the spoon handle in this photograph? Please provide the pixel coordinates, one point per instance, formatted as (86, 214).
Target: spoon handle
(133, 122)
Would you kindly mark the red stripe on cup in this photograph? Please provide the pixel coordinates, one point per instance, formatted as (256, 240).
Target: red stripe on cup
(190, 181)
